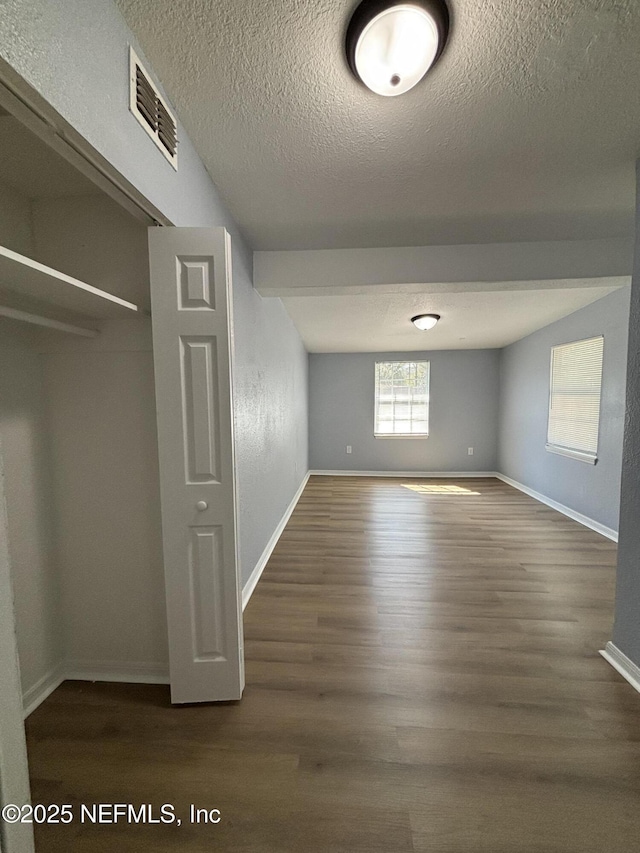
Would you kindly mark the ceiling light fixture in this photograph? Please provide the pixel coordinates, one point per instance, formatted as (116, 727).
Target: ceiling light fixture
(425, 321)
(391, 45)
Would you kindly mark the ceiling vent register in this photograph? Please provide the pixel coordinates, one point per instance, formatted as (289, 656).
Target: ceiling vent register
(151, 110)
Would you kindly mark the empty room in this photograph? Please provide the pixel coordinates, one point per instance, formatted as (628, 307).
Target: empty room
(319, 426)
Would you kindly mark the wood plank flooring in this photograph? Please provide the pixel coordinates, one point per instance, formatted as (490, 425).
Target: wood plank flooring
(422, 675)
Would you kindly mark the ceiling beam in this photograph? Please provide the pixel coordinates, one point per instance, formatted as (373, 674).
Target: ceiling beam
(480, 267)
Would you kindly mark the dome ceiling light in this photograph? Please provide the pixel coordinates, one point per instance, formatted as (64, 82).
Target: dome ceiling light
(424, 322)
(391, 45)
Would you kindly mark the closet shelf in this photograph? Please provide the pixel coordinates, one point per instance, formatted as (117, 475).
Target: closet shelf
(35, 293)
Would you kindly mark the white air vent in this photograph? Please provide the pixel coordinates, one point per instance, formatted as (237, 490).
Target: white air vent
(151, 110)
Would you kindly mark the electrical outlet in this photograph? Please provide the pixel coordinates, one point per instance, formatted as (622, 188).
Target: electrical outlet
(470, 451)
(348, 448)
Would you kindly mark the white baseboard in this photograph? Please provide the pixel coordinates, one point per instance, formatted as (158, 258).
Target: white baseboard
(424, 475)
(38, 692)
(247, 590)
(134, 673)
(565, 510)
(88, 670)
(624, 665)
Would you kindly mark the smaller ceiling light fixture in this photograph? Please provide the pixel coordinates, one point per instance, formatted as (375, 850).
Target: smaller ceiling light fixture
(425, 321)
(392, 44)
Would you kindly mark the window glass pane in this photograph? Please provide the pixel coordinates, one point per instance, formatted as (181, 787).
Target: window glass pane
(402, 398)
(574, 398)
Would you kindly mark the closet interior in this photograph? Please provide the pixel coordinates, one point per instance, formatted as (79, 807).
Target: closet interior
(77, 424)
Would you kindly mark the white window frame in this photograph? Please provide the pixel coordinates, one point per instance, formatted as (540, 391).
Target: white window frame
(581, 455)
(397, 435)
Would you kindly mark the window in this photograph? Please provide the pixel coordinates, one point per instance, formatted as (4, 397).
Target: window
(402, 398)
(574, 399)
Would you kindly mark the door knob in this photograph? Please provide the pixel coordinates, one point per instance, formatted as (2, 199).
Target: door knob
(201, 506)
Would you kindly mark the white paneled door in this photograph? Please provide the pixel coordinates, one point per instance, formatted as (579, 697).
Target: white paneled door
(193, 354)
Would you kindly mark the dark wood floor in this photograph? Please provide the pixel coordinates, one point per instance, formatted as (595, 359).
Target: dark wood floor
(422, 675)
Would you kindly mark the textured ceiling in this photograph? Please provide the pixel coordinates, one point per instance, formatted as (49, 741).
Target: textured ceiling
(381, 323)
(526, 129)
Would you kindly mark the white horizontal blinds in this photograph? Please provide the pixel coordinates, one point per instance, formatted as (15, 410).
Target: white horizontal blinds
(402, 398)
(574, 404)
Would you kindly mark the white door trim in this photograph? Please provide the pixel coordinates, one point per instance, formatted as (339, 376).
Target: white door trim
(14, 770)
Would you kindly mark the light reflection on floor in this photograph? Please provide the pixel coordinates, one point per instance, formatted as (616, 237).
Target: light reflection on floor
(438, 489)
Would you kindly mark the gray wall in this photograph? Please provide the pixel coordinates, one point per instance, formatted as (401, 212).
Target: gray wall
(593, 490)
(271, 415)
(74, 53)
(463, 413)
(626, 632)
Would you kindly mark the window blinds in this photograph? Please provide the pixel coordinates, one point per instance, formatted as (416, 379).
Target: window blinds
(574, 400)
(402, 398)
